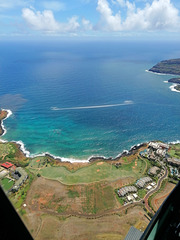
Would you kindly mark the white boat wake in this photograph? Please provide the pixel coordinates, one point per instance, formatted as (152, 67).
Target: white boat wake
(128, 102)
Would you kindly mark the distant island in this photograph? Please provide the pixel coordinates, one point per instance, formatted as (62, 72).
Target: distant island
(177, 87)
(174, 80)
(171, 66)
(177, 81)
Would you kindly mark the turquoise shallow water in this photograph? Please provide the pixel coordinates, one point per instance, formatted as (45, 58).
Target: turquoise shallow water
(55, 91)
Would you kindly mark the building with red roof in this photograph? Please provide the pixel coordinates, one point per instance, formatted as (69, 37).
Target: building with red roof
(7, 165)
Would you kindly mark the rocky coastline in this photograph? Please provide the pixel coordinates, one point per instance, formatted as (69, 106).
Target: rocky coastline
(176, 81)
(3, 115)
(6, 113)
(25, 154)
(171, 66)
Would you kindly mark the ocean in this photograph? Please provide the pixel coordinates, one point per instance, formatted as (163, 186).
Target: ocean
(76, 99)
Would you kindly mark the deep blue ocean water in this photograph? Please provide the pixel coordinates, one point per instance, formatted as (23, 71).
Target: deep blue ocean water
(45, 84)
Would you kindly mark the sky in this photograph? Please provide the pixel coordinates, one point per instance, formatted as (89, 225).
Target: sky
(156, 19)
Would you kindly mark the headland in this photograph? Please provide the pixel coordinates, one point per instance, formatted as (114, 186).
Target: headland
(171, 67)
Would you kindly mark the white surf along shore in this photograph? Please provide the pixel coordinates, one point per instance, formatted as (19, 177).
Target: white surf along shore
(158, 73)
(9, 113)
(62, 159)
(172, 87)
(28, 154)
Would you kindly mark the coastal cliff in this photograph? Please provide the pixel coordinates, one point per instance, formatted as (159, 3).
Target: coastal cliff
(3, 115)
(177, 87)
(174, 80)
(171, 66)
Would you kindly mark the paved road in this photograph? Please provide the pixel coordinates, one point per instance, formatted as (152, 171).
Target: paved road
(154, 190)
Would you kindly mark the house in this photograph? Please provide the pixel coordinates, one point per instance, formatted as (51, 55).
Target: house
(158, 149)
(154, 145)
(174, 162)
(143, 181)
(22, 178)
(153, 184)
(149, 187)
(7, 165)
(135, 195)
(161, 152)
(3, 173)
(130, 198)
(164, 146)
(125, 190)
(158, 145)
(153, 170)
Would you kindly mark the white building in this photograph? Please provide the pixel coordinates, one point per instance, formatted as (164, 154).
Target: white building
(149, 187)
(130, 198)
(135, 195)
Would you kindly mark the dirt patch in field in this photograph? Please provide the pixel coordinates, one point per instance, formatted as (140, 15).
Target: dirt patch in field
(160, 197)
(47, 195)
(100, 163)
(122, 182)
(50, 206)
(113, 227)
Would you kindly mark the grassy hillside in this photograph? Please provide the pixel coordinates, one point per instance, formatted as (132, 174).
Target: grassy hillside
(171, 66)
(93, 173)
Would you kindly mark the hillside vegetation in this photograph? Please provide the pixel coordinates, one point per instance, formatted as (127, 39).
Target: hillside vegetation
(171, 66)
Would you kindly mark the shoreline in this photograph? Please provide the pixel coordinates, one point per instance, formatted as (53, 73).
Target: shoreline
(172, 87)
(157, 73)
(91, 159)
(9, 113)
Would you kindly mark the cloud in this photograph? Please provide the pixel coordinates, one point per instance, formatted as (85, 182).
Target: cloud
(160, 15)
(53, 5)
(6, 4)
(45, 21)
(115, 16)
(86, 24)
(121, 2)
(108, 20)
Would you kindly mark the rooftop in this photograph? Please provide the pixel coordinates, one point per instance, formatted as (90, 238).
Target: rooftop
(153, 170)
(7, 165)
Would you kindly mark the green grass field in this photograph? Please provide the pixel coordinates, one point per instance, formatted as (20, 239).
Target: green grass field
(93, 172)
(98, 198)
(175, 151)
(38, 162)
(6, 149)
(7, 184)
